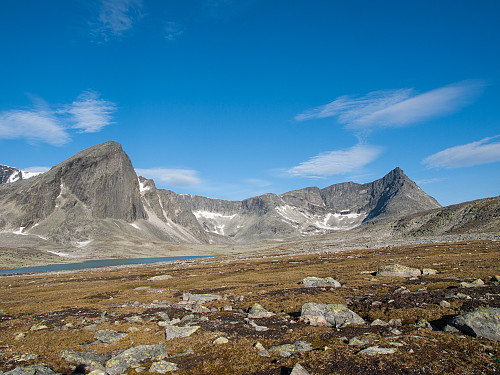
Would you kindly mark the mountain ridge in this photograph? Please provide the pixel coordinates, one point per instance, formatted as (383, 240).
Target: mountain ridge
(96, 194)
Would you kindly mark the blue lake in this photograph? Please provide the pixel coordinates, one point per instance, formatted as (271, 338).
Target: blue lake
(97, 264)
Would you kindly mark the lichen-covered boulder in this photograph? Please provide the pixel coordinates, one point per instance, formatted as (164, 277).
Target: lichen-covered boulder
(335, 315)
(312, 281)
(199, 298)
(477, 282)
(172, 332)
(134, 356)
(90, 359)
(481, 322)
(31, 370)
(286, 350)
(398, 270)
(162, 367)
(374, 350)
(257, 311)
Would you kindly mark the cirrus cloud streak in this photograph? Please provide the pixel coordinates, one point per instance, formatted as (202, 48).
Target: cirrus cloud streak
(337, 162)
(396, 108)
(475, 153)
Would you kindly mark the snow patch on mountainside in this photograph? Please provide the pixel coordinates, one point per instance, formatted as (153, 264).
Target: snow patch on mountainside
(308, 223)
(215, 222)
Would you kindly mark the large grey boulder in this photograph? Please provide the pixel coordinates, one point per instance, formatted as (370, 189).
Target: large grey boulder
(199, 298)
(481, 322)
(312, 281)
(286, 350)
(398, 270)
(134, 356)
(335, 315)
(31, 370)
(172, 332)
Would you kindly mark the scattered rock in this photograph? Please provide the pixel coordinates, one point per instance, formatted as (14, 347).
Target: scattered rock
(257, 327)
(262, 351)
(133, 356)
(162, 367)
(379, 322)
(160, 278)
(134, 319)
(299, 370)
(91, 327)
(172, 332)
(422, 323)
(481, 322)
(355, 341)
(220, 340)
(395, 323)
(444, 304)
(31, 370)
(336, 315)
(38, 327)
(20, 335)
(477, 282)
(257, 311)
(199, 298)
(429, 271)
(374, 350)
(107, 336)
(164, 316)
(287, 350)
(312, 281)
(398, 270)
(90, 359)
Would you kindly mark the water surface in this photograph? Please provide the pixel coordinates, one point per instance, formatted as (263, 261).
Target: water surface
(97, 264)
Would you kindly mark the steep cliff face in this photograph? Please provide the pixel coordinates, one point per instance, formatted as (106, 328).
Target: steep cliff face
(8, 174)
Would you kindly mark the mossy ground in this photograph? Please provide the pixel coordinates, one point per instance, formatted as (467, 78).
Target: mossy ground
(81, 297)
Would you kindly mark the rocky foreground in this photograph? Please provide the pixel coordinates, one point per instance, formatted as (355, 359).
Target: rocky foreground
(420, 309)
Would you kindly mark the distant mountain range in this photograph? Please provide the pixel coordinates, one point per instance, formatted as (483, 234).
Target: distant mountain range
(96, 194)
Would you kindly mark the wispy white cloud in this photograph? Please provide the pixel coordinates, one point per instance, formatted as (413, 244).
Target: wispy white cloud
(396, 108)
(173, 30)
(171, 177)
(118, 16)
(43, 123)
(34, 125)
(90, 113)
(470, 154)
(337, 162)
(428, 181)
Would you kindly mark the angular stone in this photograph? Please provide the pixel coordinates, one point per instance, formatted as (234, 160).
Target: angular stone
(257, 311)
(220, 340)
(262, 351)
(160, 278)
(134, 319)
(299, 370)
(172, 332)
(374, 350)
(312, 281)
(91, 359)
(287, 350)
(379, 322)
(398, 270)
(134, 356)
(481, 322)
(429, 271)
(162, 367)
(422, 323)
(108, 336)
(444, 304)
(38, 327)
(477, 282)
(356, 341)
(336, 315)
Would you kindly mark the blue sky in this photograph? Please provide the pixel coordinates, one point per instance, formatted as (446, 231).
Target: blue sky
(235, 98)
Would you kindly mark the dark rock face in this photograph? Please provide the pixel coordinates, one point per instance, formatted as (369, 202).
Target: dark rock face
(7, 173)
